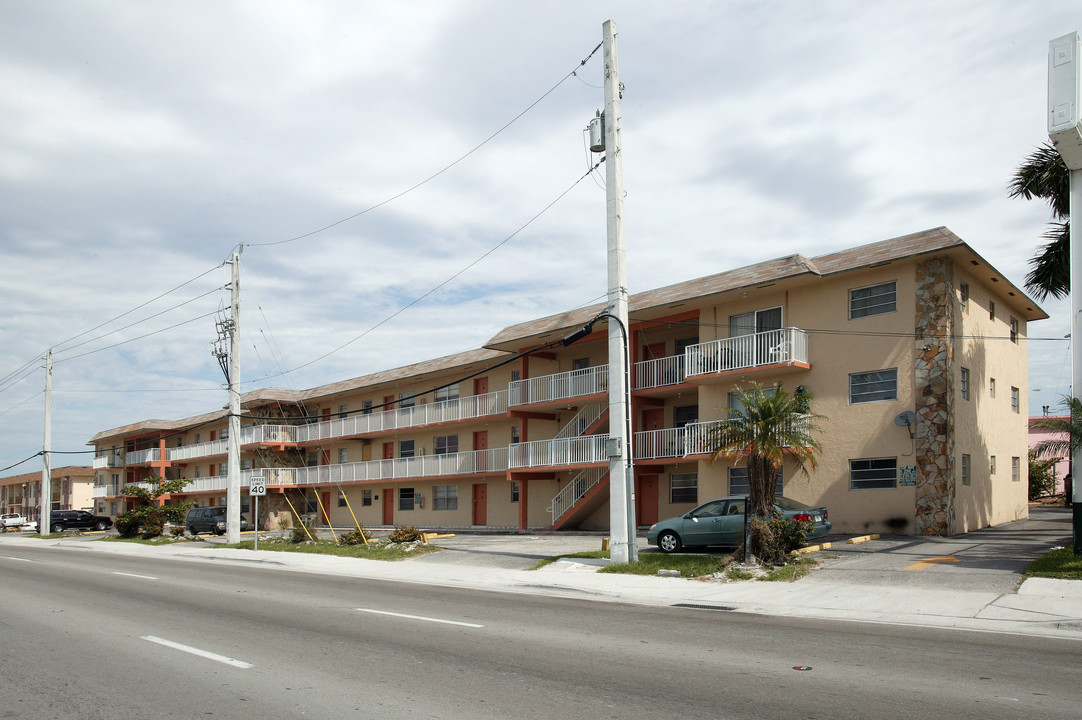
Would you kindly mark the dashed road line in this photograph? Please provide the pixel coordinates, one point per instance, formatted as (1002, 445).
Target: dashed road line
(200, 653)
(420, 617)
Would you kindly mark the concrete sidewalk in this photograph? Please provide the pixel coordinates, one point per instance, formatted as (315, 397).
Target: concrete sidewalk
(1039, 607)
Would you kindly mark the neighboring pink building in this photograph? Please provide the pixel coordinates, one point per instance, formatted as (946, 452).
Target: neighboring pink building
(1038, 435)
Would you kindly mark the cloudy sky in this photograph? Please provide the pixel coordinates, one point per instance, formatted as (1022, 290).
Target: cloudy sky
(141, 142)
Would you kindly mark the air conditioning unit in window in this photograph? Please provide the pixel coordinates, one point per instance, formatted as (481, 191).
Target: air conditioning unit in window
(420, 451)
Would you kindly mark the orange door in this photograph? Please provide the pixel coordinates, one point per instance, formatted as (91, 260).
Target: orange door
(366, 453)
(388, 450)
(646, 500)
(652, 419)
(480, 385)
(326, 498)
(480, 504)
(388, 506)
(480, 442)
(388, 402)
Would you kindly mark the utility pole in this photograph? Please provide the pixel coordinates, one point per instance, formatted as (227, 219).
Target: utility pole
(232, 498)
(44, 521)
(622, 528)
(1065, 131)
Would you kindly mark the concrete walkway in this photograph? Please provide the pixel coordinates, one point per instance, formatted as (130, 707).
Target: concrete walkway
(866, 584)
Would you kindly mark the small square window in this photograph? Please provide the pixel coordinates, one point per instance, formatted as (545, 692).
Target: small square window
(684, 488)
(445, 497)
(405, 448)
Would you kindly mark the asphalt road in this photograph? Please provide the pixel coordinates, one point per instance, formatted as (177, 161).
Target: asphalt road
(91, 635)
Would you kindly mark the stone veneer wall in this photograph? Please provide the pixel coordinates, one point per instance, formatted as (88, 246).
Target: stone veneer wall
(933, 384)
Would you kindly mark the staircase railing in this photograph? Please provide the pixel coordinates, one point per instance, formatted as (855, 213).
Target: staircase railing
(575, 491)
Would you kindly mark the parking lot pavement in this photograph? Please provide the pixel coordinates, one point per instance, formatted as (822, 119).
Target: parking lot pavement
(510, 552)
(989, 560)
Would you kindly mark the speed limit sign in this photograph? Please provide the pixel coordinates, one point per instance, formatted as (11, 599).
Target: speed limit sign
(257, 486)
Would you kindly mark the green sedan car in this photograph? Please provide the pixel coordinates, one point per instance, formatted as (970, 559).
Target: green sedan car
(721, 522)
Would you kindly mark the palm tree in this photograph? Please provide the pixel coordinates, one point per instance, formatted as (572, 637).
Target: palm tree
(1069, 440)
(1044, 175)
(769, 426)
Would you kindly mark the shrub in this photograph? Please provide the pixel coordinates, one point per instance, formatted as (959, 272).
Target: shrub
(299, 534)
(404, 534)
(127, 525)
(772, 540)
(354, 537)
(1042, 476)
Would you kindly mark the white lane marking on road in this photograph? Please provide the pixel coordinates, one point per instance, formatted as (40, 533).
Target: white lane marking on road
(420, 617)
(12, 557)
(196, 651)
(145, 577)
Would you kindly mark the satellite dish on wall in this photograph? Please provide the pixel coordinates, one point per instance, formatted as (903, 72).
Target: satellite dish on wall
(906, 419)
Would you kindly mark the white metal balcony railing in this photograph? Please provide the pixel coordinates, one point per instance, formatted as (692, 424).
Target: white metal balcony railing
(575, 491)
(568, 451)
(113, 457)
(659, 372)
(138, 457)
(561, 386)
(747, 351)
(692, 439)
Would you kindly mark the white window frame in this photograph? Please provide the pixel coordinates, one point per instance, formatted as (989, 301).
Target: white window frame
(1016, 469)
(684, 484)
(445, 445)
(445, 497)
(343, 456)
(964, 383)
(878, 304)
(446, 394)
(1015, 401)
(366, 497)
(883, 477)
(991, 387)
(966, 465)
(407, 498)
(1014, 330)
(870, 377)
(740, 475)
(963, 295)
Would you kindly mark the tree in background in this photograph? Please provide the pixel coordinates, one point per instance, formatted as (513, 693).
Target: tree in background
(149, 519)
(1043, 174)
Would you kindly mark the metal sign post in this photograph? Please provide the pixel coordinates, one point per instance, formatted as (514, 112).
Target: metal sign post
(257, 486)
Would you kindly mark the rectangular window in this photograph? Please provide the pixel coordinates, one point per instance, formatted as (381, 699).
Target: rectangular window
(366, 407)
(1014, 400)
(991, 387)
(514, 434)
(965, 469)
(873, 473)
(1016, 469)
(963, 295)
(407, 400)
(445, 497)
(738, 482)
(872, 386)
(445, 444)
(343, 456)
(405, 449)
(514, 491)
(685, 415)
(405, 498)
(197, 471)
(874, 300)
(991, 310)
(245, 464)
(448, 393)
(312, 459)
(224, 434)
(197, 438)
(684, 488)
(580, 363)
(992, 465)
(1014, 330)
(366, 498)
(311, 502)
(516, 375)
(964, 384)
(342, 409)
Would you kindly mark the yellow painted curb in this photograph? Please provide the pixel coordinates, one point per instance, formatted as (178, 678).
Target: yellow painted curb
(810, 549)
(862, 538)
(434, 536)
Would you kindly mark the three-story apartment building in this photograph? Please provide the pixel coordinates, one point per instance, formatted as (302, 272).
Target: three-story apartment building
(914, 350)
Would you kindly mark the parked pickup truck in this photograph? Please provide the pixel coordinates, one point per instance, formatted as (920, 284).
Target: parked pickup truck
(12, 520)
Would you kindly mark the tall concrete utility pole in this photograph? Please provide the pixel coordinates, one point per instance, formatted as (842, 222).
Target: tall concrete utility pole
(1065, 132)
(622, 527)
(44, 524)
(232, 498)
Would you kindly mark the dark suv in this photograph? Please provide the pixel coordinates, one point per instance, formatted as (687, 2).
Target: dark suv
(60, 520)
(210, 520)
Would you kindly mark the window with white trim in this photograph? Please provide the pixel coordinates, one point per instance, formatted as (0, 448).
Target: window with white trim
(514, 491)
(992, 465)
(366, 498)
(1014, 330)
(445, 497)
(342, 499)
(1014, 400)
(447, 393)
(407, 400)
(991, 387)
(366, 407)
(445, 444)
(873, 386)
(739, 485)
(963, 295)
(964, 383)
(684, 488)
(405, 448)
(873, 300)
(965, 469)
(405, 498)
(1016, 469)
(343, 456)
(873, 473)
(991, 310)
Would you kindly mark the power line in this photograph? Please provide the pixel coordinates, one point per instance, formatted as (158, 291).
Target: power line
(125, 342)
(442, 170)
(402, 309)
